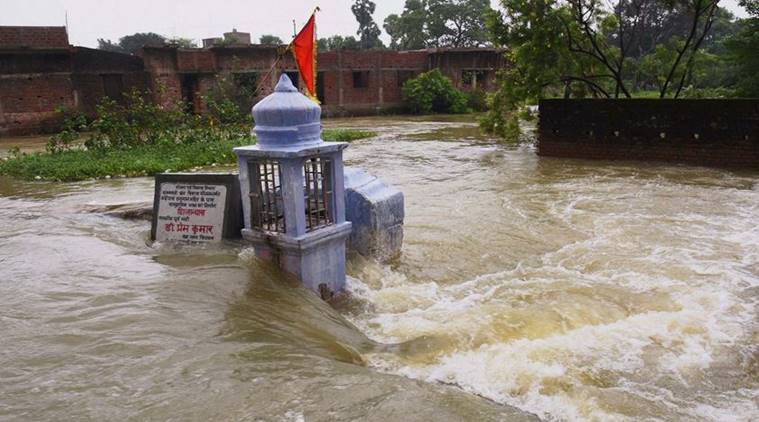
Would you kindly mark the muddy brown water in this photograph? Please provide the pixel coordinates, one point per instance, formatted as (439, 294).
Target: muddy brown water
(573, 290)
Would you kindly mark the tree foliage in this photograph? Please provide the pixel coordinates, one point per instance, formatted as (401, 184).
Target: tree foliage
(743, 51)
(589, 48)
(432, 92)
(338, 42)
(438, 23)
(407, 29)
(129, 44)
(368, 31)
(182, 42)
(270, 40)
(751, 6)
(457, 23)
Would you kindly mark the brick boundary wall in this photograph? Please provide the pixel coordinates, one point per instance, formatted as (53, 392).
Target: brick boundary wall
(45, 37)
(713, 132)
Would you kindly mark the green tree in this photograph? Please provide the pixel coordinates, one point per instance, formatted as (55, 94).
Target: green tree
(182, 42)
(337, 42)
(457, 23)
(129, 44)
(270, 40)
(751, 6)
(432, 92)
(743, 48)
(538, 61)
(586, 48)
(439, 23)
(108, 45)
(407, 30)
(368, 31)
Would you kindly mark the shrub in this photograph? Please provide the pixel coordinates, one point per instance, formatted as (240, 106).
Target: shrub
(211, 146)
(477, 100)
(502, 118)
(719, 92)
(73, 125)
(432, 92)
(230, 98)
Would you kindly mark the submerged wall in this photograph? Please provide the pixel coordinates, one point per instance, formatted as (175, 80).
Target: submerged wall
(714, 132)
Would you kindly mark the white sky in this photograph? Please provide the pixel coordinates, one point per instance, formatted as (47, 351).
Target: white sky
(89, 20)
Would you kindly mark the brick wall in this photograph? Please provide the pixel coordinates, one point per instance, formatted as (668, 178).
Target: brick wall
(360, 82)
(350, 82)
(26, 61)
(702, 132)
(453, 63)
(382, 72)
(34, 83)
(93, 69)
(28, 103)
(195, 61)
(38, 37)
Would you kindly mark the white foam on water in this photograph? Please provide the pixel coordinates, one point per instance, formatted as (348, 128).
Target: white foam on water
(517, 372)
(626, 320)
(294, 416)
(678, 343)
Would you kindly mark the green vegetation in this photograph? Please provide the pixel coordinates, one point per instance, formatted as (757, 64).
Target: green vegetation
(338, 42)
(144, 160)
(743, 51)
(438, 23)
(138, 161)
(618, 49)
(129, 44)
(346, 135)
(140, 138)
(368, 32)
(269, 39)
(432, 92)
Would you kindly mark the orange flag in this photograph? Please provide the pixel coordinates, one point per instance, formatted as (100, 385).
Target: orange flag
(304, 50)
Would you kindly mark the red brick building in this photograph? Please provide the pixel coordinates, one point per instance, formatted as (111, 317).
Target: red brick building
(40, 71)
(348, 82)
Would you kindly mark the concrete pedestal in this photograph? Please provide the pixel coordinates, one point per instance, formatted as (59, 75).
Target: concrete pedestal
(317, 258)
(376, 211)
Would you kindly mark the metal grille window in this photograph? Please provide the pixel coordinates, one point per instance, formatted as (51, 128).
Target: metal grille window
(318, 192)
(267, 208)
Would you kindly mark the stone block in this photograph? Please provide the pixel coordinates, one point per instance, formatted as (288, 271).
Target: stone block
(376, 211)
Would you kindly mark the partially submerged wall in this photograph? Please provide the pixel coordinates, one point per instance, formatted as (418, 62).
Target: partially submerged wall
(712, 132)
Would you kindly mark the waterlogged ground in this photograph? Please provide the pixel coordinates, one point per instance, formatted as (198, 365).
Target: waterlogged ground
(573, 290)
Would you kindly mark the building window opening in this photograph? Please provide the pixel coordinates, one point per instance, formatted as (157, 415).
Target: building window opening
(473, 78)
(245, 90)
(266, 206)
(361, 79)
(189, 86)
(318, 192)
(113, 87)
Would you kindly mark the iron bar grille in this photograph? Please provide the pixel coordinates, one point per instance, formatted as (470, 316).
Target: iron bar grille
(267, 208)
(318, 192)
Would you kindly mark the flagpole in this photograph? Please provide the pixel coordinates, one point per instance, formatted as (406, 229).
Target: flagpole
(281, 54)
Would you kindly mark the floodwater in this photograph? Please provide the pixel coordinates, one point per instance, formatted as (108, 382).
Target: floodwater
(568, 289)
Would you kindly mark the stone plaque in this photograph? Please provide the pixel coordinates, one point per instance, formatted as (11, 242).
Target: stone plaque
(196, 208)
(191, 212)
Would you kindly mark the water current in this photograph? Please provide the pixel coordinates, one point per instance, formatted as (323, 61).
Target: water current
(566, 289)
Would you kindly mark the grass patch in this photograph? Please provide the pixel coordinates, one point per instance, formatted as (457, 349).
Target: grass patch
(346, 135)
(140, 160)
